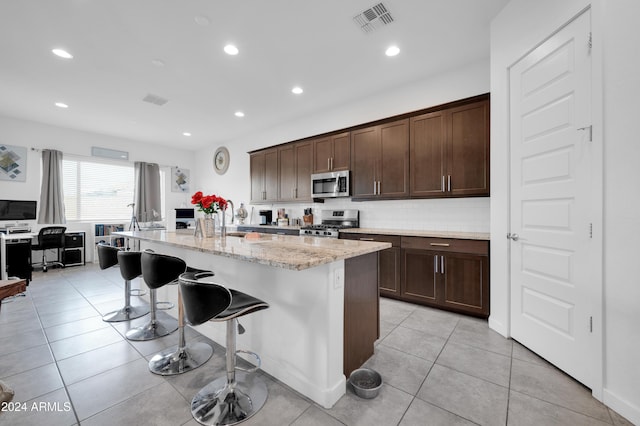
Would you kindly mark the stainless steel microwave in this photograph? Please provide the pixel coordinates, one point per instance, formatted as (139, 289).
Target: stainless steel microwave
(329, 185)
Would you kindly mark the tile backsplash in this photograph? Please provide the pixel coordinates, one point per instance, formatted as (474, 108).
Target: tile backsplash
(452, 214)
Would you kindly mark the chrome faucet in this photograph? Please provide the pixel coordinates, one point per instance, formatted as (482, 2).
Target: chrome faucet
(233, 211)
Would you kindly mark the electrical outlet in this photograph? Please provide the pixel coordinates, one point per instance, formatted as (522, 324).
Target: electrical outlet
(338, 278)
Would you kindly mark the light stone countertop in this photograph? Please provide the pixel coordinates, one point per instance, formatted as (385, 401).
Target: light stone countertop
(282, 251)
(420, 233)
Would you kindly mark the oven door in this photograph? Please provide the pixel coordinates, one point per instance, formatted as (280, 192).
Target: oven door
(329, 185)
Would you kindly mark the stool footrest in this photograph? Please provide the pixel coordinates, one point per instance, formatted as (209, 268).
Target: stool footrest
(137, 292)
(164, 306)
(253, 354)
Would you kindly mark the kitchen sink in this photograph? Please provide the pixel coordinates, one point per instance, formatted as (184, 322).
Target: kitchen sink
(236, 234)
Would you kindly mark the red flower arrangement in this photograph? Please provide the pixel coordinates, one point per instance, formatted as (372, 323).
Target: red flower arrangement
(208, 204)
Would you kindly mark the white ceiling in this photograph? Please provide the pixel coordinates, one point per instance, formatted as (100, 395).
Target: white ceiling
(282, 43)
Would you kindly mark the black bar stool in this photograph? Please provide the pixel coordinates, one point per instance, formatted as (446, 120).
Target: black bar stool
(129, 263)
(184, 357)
(237, 396)
(157, 271)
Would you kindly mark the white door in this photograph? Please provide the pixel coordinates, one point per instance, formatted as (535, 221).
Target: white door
(550, 201)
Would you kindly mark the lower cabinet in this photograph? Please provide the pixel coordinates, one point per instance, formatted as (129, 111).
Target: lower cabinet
(389, 262)
(444, 273)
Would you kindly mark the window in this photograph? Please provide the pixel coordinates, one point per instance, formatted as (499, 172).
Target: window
(97, 191)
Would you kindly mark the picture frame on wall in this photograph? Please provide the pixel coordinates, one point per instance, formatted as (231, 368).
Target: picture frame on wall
(13, 163)
(180, 179)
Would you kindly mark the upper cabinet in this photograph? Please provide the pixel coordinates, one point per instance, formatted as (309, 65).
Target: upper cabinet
(294, 180)
(437, 152)
(332, 153)
(264, 176)
(380, 161)
(450, 152)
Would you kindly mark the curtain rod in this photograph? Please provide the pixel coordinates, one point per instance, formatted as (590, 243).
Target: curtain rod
(91, 156)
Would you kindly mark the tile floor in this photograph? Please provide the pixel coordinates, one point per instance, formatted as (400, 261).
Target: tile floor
(439, 368)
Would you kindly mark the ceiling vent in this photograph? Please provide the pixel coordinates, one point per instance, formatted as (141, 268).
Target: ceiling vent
(155, 99)
(373, 18)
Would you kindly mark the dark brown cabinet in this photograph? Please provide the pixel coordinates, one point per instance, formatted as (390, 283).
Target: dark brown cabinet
(332, 153)
(450, 152)
(389, 261)
(294, 178)
(447, 273)
(264, 176)
(380, 161)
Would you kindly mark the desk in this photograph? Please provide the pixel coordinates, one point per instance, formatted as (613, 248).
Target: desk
(72, 254)
(4, 238)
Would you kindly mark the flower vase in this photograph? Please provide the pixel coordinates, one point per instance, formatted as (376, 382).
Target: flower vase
(206, 226)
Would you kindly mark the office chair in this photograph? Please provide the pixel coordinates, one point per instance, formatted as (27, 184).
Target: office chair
(51, 237)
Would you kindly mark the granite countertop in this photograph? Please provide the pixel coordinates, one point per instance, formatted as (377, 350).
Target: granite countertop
(420, 233)
(282, 251)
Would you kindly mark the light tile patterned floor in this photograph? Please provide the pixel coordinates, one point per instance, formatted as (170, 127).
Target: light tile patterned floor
(439, 368)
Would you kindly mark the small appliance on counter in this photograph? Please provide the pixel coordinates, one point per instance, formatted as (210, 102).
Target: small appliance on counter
(265, 217)
(332, 222)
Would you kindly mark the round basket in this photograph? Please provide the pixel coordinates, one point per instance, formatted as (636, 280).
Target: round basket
(366, 382)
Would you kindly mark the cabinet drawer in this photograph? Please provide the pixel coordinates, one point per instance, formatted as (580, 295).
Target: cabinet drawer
(446, 245)
(393, 239)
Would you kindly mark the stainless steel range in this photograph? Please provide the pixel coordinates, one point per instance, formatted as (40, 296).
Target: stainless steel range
(332, 222)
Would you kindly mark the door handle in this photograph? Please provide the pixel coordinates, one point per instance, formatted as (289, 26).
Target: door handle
(441, 264)
(374, 187)
(449, 183)
(442, 186)
(514, 237)
(435, 263)
(329, 164)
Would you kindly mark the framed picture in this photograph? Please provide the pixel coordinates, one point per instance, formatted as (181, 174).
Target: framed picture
(179, 180)
(13, 163)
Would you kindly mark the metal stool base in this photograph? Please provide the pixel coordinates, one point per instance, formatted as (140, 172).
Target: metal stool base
(150, 331)
(219, 404)
(177, 361)
(125, 314)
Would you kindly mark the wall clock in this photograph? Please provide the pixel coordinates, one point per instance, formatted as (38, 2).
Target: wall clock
(221, 160)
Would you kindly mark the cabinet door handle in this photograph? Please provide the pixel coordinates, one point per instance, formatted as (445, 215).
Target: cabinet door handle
(366, 239)
(435, 263)
(441, 264)
(374, 187)
(331, 163)
(439, 244)
(442, 186)
(378, 187)
(449, 183)
(328, 163)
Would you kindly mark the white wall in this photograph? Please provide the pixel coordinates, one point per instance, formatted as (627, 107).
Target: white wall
(30, 134)
(460, 215)
(518, 28)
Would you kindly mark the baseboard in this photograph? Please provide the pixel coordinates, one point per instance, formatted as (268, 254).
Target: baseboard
(621, 406)
(498, 327)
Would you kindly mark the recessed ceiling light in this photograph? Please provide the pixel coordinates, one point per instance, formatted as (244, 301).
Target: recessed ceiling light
(392, 51)
(61, 105)
(230, 49)
(62, 53)
(239, 114)
(158, 63)
(297, 90)
(186, 134)
(202, 20)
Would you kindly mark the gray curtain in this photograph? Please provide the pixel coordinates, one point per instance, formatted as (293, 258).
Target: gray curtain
(51, 199)
(147, 192)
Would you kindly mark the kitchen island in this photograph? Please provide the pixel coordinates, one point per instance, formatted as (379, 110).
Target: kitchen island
(323, 295)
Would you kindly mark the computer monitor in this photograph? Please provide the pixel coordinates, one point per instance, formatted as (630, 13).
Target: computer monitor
(17, 210)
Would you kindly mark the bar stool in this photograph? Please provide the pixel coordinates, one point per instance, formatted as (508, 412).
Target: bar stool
(157, 271)
(183, 357)
(129, 263)
(237, 396)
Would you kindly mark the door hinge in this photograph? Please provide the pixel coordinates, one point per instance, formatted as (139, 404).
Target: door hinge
(591, 230)
(590, 42)
(591, 324)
